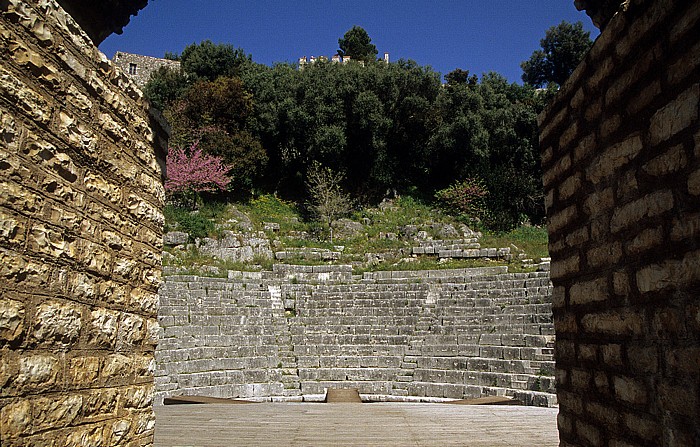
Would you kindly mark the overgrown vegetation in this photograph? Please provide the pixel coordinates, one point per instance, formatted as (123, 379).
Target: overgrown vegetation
(270, 208)
(387, 232)
(197, 224)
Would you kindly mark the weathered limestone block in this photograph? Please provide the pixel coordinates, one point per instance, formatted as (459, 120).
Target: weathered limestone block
(62, 230)
(15, 419)
(39, 372)
(11, 319)
(175, 238)
(676, 115)
(120, 429)
(99, 403)
(18, 198)
(57, 322)
(103, 328)
(143, 210)
(669, 274)
(132, 330)
(26, 99)
(96, 184)
(82, 370)
(51, 413)
(614, 158)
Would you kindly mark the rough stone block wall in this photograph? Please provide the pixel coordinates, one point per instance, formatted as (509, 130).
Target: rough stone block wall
(621, 160)
(139, 68)
(298, 330)
(80, 238)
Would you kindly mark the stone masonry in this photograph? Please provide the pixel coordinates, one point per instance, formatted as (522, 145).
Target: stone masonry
(290, 333)
(139, 68)
(621, 161)
(81, 164)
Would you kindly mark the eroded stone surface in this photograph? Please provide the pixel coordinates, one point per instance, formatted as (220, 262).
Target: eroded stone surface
(624, 258)
(80, 233)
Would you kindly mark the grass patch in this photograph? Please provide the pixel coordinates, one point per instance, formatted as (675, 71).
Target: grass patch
(293, 242)
(373, 237)
(532, 240)
(403, 211)
(270, 208)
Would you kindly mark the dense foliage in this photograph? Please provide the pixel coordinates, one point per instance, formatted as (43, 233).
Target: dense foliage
(387, 128)
(563, 47)
(466, 199)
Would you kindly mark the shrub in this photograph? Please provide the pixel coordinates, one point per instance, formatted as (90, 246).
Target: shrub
(196, 224)
(466, 198)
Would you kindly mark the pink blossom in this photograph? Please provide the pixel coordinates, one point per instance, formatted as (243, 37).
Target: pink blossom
(195, 172)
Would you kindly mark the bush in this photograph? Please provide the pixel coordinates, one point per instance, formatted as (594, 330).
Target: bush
(270, 208)
(467, 199)
(197, 224)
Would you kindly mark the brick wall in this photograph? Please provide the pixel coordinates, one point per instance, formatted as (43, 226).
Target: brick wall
(80, 238)
(621, 160)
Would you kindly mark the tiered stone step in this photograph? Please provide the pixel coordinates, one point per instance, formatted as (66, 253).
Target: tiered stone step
(300, 329)
(307, 254)
(353, 335)
(460, 248)
(456, 276)
(488, 337)
(221, 339)
(433, 247)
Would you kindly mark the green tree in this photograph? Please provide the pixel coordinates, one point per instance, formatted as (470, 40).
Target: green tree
(357, 44)
(214, 115)
(563, 47)
(327, 200)
(165, 86)
(459, 76)
(208, 60)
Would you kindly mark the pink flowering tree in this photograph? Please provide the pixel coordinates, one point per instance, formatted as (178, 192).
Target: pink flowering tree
(192, 172)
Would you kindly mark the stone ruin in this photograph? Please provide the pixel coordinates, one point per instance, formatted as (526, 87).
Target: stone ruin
(293, 332)
(80, 240)
(139, 68)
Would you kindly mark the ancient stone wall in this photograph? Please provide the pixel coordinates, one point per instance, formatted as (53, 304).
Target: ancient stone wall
(80, 238)
(139, 68)
(621, 160)
(292, 332)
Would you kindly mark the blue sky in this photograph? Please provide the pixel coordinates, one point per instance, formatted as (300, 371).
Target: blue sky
(478, 36)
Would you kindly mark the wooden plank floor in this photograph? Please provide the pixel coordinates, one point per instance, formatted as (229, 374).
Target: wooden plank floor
(377, 424)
